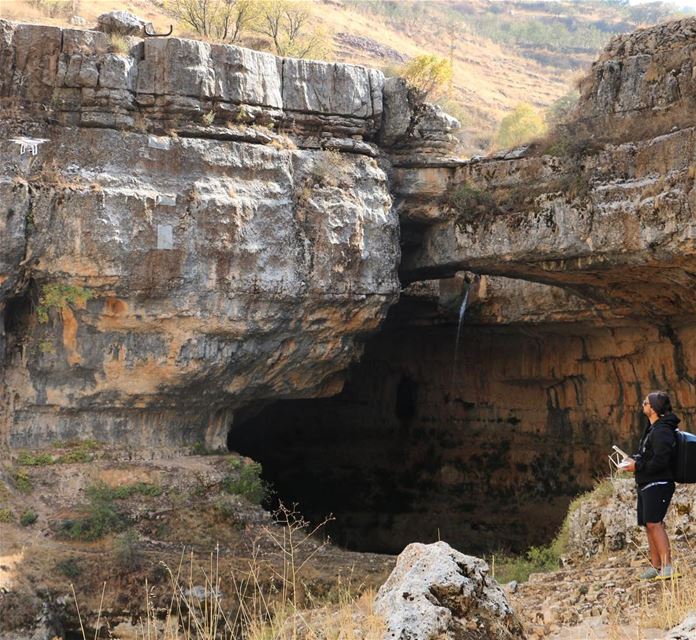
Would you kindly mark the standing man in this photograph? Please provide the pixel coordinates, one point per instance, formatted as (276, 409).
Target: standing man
(655, 480)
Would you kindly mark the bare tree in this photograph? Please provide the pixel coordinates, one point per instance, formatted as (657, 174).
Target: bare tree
(286, 23)
(222, 20)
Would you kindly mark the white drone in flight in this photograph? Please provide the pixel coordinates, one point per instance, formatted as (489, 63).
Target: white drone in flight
(29, 143)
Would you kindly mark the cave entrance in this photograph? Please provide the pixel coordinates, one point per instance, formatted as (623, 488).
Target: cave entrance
(486, 457)
(327, 456)
(15, 319)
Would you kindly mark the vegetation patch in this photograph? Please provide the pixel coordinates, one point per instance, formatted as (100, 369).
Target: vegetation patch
(28, 518)
(101, 515)
(427, 75)
(127, 552)
(69, 567)
(199, 449)
(22, 481)
(35, 459)
(519, 127)
(245, 481)
(468, 203)
(80, 451)
(60, 296)
(6, 515)
(118, 45)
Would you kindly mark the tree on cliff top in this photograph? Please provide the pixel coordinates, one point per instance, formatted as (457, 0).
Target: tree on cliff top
(427, 74)
(288, 25)
(520, 126)
(222, 20)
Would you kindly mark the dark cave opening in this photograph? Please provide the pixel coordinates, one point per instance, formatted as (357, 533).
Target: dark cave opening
(487, 457)
(17, 313)
(14, 321)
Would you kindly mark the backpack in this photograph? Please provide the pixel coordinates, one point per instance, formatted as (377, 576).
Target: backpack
(684, 459)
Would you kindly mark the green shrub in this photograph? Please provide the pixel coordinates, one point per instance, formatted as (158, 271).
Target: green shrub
(28, 518)
(60, 296)
(79, 451)
(140, 488)
(29, 459)
(547, 558)
(468, 202)
(69, 567)
(518, 568)
(100, 516)
(22, 481)
(76, 456)
(246, 481)
(127, 551)
(427, 74)
(199, 449)
(522, 125)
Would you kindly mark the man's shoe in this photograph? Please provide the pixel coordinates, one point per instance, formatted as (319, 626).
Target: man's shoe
(649, 574)
(666, 573)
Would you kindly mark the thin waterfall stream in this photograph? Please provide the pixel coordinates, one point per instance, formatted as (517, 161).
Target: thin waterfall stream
(462, 312)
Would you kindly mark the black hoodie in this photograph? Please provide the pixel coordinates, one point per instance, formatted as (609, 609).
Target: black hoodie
(654, 457)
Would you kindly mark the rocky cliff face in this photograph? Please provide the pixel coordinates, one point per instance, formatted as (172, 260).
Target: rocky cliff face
(207, 230)
(202, 228)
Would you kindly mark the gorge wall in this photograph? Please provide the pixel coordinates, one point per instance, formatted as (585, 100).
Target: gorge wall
(202, 227)
(208, 237)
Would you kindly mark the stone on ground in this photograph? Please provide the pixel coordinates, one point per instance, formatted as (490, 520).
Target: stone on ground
(684, 631)
(437, 592)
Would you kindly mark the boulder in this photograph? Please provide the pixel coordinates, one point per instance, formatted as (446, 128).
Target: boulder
(684, 631)
(436, 592)
(121, 23)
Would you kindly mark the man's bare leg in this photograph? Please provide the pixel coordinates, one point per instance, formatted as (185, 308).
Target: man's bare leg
(658, 542)
(654, 555)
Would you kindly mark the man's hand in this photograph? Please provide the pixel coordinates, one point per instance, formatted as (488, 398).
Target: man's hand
(628, 465)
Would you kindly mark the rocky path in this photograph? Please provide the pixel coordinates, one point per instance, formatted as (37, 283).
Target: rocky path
(604, 599)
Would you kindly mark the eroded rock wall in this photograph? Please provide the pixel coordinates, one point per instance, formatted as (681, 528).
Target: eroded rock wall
(202, 227)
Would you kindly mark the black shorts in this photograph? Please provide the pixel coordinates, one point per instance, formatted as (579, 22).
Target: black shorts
(653, 501)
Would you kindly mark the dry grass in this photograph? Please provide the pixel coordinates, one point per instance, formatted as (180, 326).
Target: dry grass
(282, 142)
(118, 44)
(265, 600)
(675, 598)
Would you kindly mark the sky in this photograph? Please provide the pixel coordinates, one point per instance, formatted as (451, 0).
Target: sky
(691, 4)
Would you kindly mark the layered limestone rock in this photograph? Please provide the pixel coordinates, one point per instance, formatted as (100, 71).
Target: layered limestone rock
(207, 229)
(615, 225)
(642, 76)
(167, 252)
(604, 207)
(172, 82)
